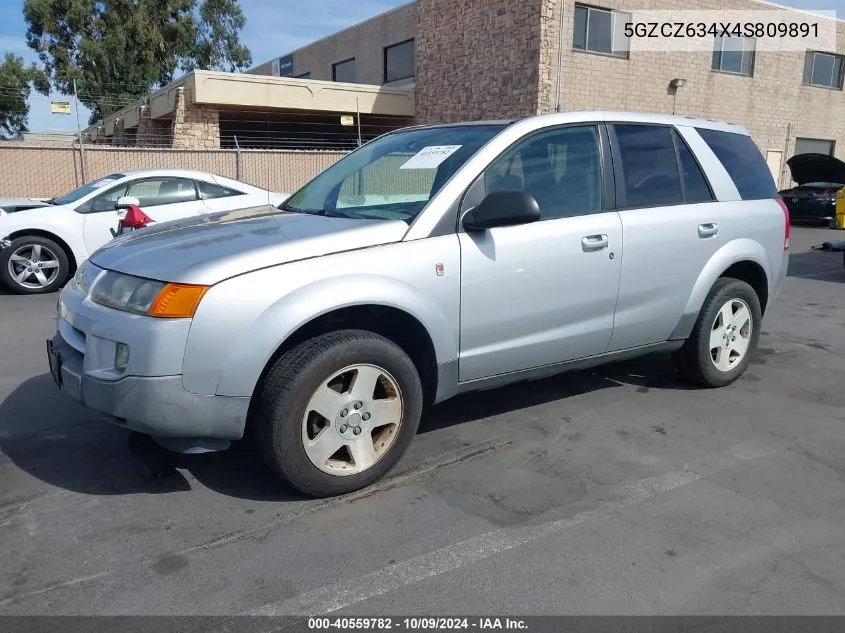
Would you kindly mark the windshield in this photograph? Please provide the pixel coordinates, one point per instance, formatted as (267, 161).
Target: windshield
(393, 177)
(84, 190)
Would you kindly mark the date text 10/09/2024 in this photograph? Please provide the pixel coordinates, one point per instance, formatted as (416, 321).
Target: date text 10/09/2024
(417, 624)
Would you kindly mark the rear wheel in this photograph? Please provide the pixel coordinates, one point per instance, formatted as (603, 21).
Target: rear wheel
(33, 265)
(335, 413)
(725, 335)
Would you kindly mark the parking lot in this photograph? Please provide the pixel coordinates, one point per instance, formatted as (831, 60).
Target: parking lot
(612, 491)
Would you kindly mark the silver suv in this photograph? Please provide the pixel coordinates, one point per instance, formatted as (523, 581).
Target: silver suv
(430, 262)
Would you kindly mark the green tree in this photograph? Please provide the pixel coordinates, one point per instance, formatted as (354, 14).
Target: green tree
(16, 83)
(119, 50)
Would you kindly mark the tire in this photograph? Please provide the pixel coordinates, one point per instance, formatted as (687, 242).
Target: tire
(18, 257)
(702, 364)
(288, 429)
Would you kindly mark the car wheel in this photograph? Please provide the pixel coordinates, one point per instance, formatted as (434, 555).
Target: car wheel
(724, 337)
(33, 265)
(336, 412)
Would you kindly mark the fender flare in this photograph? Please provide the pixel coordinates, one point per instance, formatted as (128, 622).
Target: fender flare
(57, 231)
(260, 341)
(733, 252)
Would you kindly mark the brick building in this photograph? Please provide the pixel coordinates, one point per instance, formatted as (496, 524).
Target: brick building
(442, 60)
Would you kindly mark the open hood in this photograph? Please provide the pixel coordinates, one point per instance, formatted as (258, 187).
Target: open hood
(816, 168)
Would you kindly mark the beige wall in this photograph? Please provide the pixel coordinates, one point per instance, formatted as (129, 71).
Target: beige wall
(766, 103)
(40, 172)
(477, 59)
(365, 42)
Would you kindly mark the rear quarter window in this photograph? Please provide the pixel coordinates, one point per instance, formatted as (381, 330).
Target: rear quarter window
(743, 162)
(209, 191)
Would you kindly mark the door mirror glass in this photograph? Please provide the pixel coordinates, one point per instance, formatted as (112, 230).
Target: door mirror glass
(127, 201)
(502, 208)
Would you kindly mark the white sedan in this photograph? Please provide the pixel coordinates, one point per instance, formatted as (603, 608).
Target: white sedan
(40, 246)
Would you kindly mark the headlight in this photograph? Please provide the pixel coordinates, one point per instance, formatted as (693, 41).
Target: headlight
(146, 296)
(125, 292)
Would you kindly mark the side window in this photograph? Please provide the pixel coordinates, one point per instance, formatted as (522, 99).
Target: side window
(743, 162)
(696, 188)
(209, 191)
(649, 165)
(106, 201)
(561, 168)
(155, 191)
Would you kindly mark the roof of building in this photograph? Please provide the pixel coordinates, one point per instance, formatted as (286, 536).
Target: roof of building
(242, 90)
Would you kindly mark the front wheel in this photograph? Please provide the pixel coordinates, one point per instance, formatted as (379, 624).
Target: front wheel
(33, 265)
(725, 335)
(336, 412)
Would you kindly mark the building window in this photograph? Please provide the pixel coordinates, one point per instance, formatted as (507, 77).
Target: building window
(814, 146)
(304, 76)
(823, 70)
(344, 71)
(734, 55)
(600, 31)
(399, 61)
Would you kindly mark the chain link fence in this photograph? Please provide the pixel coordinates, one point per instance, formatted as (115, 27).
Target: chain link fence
(45, 171)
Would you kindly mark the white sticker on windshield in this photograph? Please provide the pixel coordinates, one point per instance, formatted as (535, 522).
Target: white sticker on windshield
(102, 183)
(430, 157)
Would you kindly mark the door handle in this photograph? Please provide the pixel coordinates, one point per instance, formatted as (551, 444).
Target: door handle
(591, 243)
(708, 230)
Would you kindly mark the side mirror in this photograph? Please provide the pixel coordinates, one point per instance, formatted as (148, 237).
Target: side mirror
(502, 208)
(126, 201)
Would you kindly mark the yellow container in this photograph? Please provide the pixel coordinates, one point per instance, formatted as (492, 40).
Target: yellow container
(839, 214)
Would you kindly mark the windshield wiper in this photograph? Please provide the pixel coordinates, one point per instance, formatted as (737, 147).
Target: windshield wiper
(323, 212)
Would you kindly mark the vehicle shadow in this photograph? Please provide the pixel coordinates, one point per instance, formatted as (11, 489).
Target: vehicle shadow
(51, 438)
(818, 265)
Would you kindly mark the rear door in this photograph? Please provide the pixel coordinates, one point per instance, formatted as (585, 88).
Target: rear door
(671, 224)
(162, 198)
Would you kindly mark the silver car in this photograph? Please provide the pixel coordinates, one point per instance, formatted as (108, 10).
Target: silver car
(430, 262)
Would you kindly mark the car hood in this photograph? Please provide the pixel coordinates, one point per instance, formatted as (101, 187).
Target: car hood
(23, 201)
(816, 168)
(40, 208)
(210, 248)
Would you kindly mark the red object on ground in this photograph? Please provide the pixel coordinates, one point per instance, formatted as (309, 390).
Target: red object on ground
(135, 218)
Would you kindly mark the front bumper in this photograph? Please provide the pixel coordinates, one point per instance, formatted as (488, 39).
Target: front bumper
(158, 406)
(149, 396)
(811, 210)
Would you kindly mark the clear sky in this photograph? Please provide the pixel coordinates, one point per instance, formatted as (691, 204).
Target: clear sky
(273, 28)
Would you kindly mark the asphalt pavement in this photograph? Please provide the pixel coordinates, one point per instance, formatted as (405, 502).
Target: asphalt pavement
(612, 491)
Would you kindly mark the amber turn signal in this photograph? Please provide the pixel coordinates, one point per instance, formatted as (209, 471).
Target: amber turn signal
(177, 301)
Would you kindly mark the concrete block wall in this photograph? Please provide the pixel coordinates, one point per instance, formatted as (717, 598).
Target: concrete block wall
(194, 125)
(772, 104)
(477, 59)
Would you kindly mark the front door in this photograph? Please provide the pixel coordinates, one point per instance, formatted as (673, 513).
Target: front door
(162, 198)
(542, 293)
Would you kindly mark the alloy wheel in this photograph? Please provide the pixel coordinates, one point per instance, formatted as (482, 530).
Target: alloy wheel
(352, 419)
(730, 335)
(33, 266)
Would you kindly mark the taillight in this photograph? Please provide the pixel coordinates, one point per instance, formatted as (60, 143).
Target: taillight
(786, 221)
